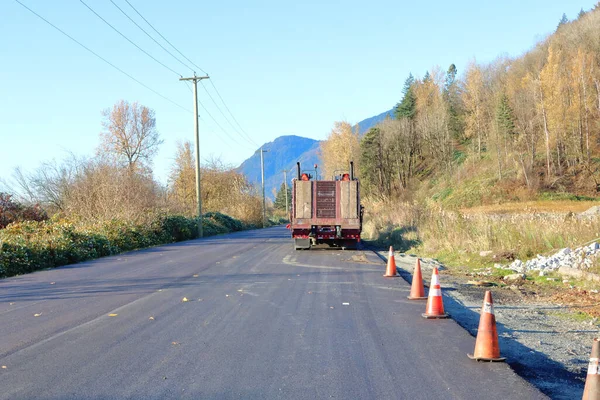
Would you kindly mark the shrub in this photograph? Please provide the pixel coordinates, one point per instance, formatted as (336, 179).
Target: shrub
(13, 211)
(31, 245)
(233, 225)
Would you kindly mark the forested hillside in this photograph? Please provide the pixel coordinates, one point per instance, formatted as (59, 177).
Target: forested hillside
(517, 135)
(519, 126)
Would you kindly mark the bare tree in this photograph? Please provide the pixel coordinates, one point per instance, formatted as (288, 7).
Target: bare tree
(130, 135)
(50, 184)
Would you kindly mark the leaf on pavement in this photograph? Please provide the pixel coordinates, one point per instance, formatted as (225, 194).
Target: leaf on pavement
(345, 304)
(195, 275)
(175, 343)
(112, 315)
(184, 300)
(4, 367)
(151, 318)
(37, 315)
(52, 283)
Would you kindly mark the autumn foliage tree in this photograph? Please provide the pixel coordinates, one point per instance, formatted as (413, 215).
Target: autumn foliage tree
(341, 147)
(222, 188)
(534, 119)
(130, 137)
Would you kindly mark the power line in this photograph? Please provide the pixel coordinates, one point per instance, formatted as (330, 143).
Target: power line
(230, 113)
(101, 58)
(147, 34)
(219, 125)
(164, 38)
(224, 116)
(126, 38)
(248, 137)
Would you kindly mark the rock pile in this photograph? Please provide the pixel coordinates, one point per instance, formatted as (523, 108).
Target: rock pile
(580, 258)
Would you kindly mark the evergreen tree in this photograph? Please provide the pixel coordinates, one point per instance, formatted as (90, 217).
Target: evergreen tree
(562, 21)
(280, 198)
(408, 106)
(505, 117)
(453, 100)
(581, 14)
(371, 161)
(427, 77)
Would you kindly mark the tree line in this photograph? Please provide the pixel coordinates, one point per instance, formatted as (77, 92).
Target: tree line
(534, 119)
(118, 182)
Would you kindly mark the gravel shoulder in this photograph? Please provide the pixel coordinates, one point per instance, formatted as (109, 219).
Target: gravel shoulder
(539, 334)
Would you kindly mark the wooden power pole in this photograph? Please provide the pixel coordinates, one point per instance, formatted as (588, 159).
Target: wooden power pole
(195, 79)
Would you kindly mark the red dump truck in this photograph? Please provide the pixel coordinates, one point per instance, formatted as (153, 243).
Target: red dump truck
(326, 211)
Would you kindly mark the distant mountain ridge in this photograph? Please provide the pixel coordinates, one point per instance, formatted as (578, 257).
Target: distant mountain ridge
(366, 124)
(283, 153)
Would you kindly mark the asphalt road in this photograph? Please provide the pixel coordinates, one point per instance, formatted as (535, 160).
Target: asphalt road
(262, 321)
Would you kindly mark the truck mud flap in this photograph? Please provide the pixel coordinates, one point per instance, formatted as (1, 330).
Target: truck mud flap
(300, 244)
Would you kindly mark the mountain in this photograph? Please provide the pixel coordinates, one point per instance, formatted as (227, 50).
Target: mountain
(285, 151)
(282, 154)
(366, 124)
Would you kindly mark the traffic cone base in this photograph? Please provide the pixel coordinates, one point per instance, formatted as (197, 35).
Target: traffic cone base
(391, 271)
(486, 343)
(440, 316)
(499, 359)
(417, 291)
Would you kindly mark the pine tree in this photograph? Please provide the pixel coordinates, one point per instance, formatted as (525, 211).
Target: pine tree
(581, 14)
(407, 107)
(562, 21)
(371, 161)
(452, 98)
(505, 117)
(280, 198)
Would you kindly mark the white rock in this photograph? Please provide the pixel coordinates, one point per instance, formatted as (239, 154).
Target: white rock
(514, 277)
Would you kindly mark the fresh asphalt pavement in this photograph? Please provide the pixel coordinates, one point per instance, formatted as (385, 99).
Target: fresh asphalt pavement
(261, 321)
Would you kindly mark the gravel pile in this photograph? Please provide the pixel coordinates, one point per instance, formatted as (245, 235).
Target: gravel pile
(580, 258)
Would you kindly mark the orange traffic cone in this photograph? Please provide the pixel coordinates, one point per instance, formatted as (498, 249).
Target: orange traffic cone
(435, 305)
(486, 344)
(417, 291)
(592, 381)
(391, 272)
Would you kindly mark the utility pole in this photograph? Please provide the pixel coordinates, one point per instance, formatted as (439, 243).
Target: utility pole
(287, 208)
(262, 178)
(195, 79)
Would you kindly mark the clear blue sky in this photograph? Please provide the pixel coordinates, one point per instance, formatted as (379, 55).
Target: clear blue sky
(282, 67)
